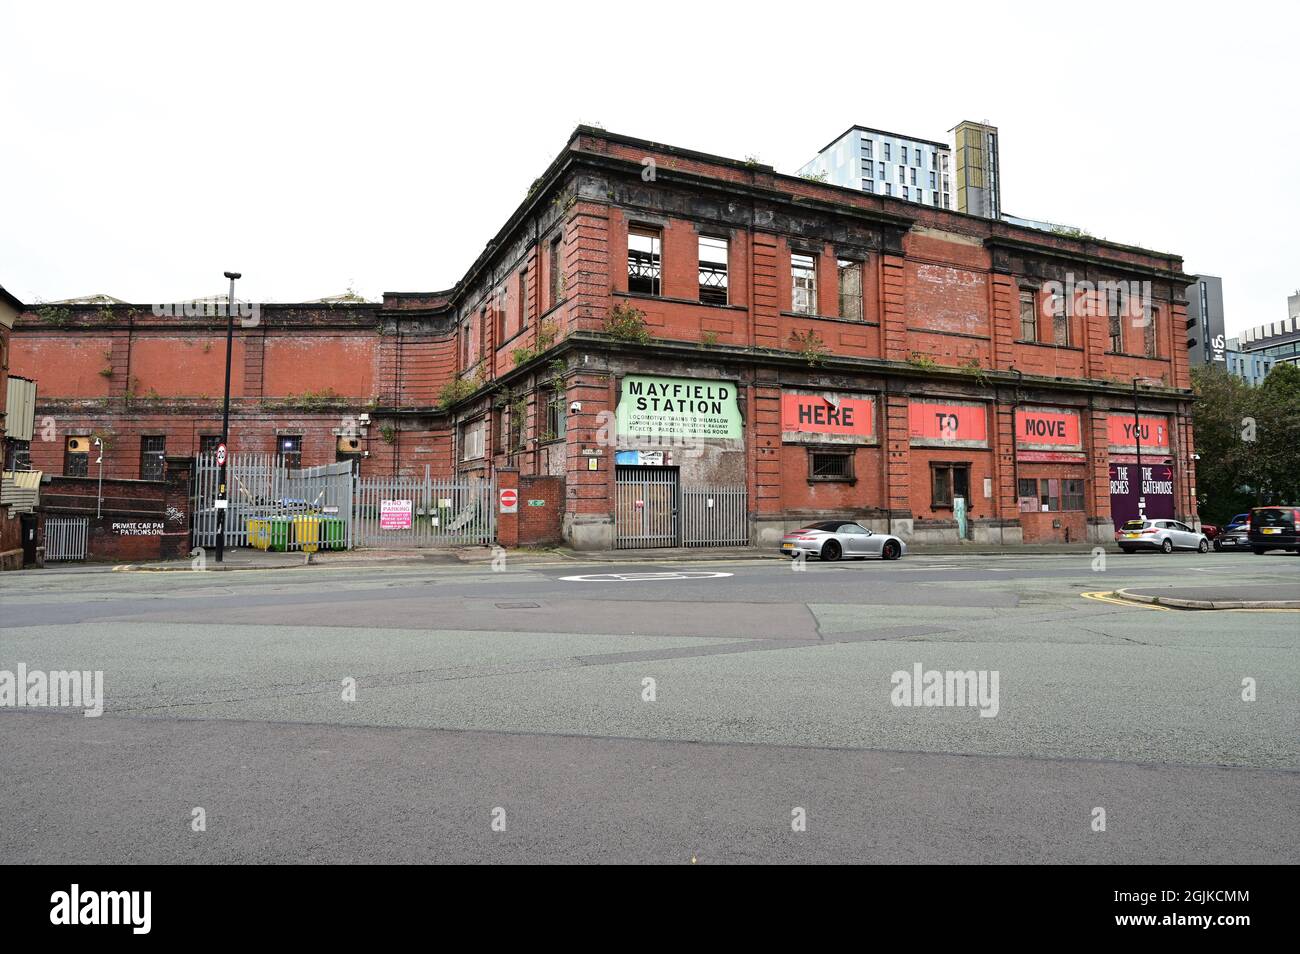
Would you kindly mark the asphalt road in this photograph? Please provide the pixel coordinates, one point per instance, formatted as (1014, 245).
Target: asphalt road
(525, 691)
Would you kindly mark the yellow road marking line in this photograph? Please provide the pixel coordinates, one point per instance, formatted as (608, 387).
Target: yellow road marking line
(1106, 596)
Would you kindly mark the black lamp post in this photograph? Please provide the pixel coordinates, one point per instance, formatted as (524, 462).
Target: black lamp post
(223, 501)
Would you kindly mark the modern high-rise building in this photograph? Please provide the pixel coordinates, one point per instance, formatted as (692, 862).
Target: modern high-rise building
(964, 175)
(978, 169)
(887, 164)
(1277, 341)
(1206, 340)
(1251, 368)
(1252, 354)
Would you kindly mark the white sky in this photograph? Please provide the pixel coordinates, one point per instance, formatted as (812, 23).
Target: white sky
(147, 148)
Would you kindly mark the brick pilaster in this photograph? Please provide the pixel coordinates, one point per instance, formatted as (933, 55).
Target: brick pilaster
(893, 315)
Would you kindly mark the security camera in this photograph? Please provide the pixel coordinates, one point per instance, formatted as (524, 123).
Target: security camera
(575, 407)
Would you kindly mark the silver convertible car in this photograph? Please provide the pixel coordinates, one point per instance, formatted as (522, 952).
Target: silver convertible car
(836, 539)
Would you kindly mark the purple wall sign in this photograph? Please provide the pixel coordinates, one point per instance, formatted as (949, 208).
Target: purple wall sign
(1157, 486)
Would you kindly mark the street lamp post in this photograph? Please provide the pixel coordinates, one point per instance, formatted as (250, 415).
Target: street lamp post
(1137, 437)
(1015, 448)
(99, 498)
(223, 502)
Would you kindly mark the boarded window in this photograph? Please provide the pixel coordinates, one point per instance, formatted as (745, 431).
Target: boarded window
(1060, 321)
(471, 439)
(850, 274)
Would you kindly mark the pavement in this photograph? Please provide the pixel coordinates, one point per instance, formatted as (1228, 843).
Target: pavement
(1221, 596)
(657, 712)
(250, 559)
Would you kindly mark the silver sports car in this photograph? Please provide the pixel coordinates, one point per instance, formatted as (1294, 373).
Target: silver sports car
(835, 539)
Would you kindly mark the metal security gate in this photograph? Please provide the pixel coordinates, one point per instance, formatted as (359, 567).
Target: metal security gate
(715, 517)
(645, 507)
(402, 512)
(65, 538)
(652, 510)
(313, 504)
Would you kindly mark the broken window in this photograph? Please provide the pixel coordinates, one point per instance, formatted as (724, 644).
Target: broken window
(557, 279)
(1149, 336)
(1115, 305)
(153, 450)
(713, 270)
(1028, 317)
(803, 276)
(289, 446)
(644, 260)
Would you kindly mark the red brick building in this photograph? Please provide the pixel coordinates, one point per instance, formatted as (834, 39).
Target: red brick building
(826, 351)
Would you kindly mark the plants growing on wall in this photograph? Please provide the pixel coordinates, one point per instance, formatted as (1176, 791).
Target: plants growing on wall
(627, 323)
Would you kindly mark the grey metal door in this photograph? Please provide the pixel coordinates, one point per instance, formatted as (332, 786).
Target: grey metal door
(645, 507)
(715, 516)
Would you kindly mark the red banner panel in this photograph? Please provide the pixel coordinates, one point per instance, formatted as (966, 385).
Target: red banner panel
(816, 414)
(1058, 430)
(958, 425)
(1121, 432)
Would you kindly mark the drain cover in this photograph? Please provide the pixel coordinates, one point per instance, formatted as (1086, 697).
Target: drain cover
(518, 605)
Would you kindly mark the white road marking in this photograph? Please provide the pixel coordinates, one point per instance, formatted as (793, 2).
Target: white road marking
(638, 577)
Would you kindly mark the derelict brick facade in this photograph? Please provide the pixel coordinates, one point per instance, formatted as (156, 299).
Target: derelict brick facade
(939, 334)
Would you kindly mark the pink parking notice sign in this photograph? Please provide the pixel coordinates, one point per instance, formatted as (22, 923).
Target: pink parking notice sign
(395, 515)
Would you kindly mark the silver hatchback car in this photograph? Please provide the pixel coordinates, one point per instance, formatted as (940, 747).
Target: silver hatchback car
(833, 539)
(1166, 535)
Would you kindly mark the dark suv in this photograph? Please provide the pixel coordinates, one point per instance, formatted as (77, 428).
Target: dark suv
(1274, 528)
(1234, 534)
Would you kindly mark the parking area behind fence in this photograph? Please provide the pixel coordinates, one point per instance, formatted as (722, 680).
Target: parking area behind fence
(272, 507)
(399, 512)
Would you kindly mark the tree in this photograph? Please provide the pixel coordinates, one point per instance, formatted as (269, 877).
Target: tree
(1277, 412)
(1248, 440)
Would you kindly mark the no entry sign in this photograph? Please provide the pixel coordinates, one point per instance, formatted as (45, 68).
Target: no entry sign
(509, 500)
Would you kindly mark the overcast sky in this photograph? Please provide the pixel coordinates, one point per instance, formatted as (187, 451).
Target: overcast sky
(145, 149)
